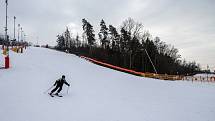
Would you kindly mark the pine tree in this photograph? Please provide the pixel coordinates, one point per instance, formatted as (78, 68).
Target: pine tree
(89, 32)
(60, 42)
(78, 42)
(67, 38)
(124, 39)
(114, 37)
(103, 35)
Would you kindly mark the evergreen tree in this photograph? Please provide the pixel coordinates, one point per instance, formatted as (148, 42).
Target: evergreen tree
(78, 42)
(124, 39)
(114, 37)
(67, 38)
(89, 32)
(60, 42)
(103, 35)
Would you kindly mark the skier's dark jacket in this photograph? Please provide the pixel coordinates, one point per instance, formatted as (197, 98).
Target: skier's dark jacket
(60, 82)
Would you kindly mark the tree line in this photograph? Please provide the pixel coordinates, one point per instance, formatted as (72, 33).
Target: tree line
(131, 47)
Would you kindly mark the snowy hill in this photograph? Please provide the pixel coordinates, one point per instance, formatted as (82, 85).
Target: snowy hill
(97, 93)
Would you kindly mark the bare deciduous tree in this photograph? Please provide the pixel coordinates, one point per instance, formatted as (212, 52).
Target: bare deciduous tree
(132, 27)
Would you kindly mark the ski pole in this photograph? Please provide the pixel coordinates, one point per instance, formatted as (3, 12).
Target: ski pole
(48, 89)
(68, 90)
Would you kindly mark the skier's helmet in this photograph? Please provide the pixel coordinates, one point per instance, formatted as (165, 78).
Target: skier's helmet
(63, 76)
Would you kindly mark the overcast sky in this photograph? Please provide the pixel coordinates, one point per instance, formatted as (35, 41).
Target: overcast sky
(189, 25)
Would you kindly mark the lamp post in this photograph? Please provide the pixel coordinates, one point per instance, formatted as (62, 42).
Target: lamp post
(6, 38)
(25, 42)
(7, 62)
(25, 36)
(18, 31)
(22, 40)
(21, 35)
(14, 36)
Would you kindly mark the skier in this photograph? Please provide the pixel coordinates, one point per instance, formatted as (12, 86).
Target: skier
(59, 84)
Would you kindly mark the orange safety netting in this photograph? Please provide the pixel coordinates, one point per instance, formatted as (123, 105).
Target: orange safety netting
(150, 75)
(113, 67)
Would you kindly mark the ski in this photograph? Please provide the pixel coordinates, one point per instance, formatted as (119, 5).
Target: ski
(58, 95)
(51, 95)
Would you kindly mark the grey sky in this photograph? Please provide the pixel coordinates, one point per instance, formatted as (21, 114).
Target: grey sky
(189, 25)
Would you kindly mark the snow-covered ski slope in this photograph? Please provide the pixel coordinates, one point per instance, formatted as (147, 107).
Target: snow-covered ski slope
(97, 93)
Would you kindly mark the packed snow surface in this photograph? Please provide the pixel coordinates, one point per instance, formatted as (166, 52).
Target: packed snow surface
(97, 93)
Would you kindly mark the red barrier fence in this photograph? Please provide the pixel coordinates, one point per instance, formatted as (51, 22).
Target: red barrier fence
(153, 75)
(149, 75)
(113, 67)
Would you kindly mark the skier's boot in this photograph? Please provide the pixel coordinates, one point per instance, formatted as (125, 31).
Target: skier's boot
(51, 94)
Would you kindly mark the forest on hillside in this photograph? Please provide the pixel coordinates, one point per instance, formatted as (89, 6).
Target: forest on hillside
(129, 46)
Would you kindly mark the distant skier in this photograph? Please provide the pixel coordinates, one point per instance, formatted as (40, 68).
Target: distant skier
(59, 85)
